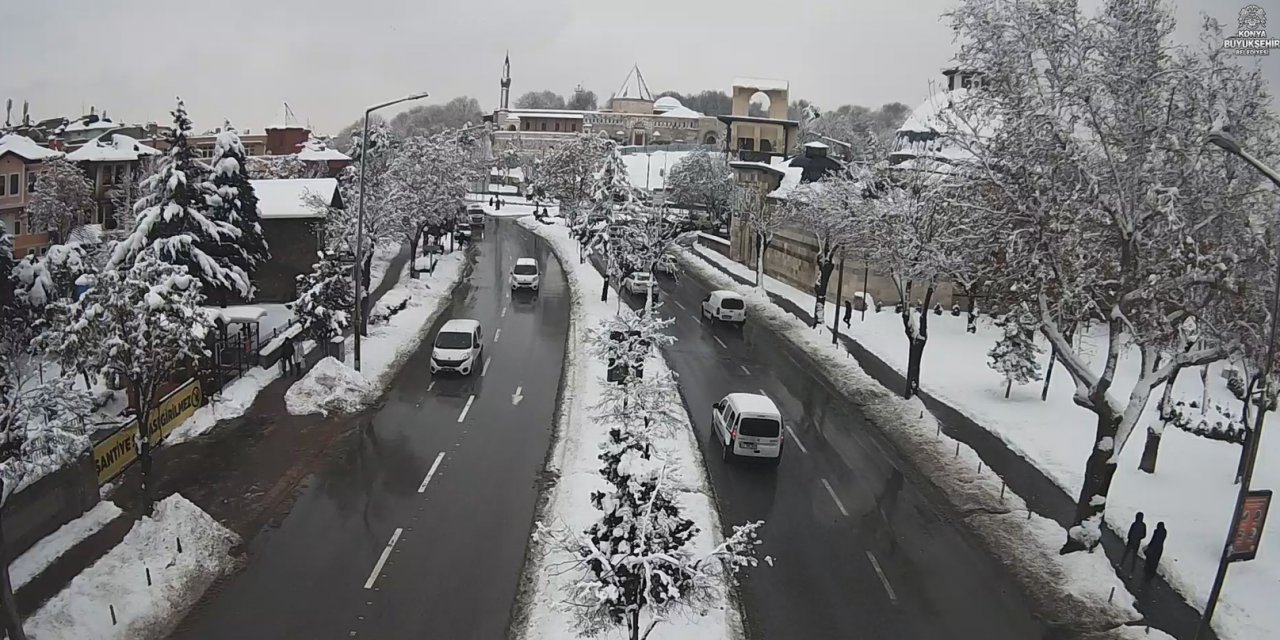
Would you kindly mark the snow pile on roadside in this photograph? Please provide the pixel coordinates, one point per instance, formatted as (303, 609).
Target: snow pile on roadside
(1069, 591)
(575, 463)
(51, 547)
(119, 579)
(330, 387)
(231, 402)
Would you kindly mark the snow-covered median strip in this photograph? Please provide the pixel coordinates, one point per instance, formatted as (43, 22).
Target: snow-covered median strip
(51, 547)
(574, 461)
(119, 579)
(337, 387)
(1072, 591)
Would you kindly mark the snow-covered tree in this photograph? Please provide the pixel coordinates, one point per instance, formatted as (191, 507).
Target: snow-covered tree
(173, 219)
(828, 209)
(231, 199)
(141, 325)
(763, 219)
(427, 185)
(703, 179)
(43, 279)
(567, 172)
(278, 167)
(1089, 158)
(125, 194)
(324, 299)
(1014, 354)
(63, 199)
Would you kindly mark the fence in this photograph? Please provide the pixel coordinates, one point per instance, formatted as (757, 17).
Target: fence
(650, 148)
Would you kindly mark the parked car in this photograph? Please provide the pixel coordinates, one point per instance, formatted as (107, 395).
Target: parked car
(725, 306)
(749, 425)
(666, 265)
(457, 347)
(475, 213)
(525, 274)
(637, 284)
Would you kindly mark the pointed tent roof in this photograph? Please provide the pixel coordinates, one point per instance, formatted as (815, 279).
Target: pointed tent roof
(634, 86)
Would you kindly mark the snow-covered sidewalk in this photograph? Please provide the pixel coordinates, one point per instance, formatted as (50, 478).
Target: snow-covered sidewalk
(118, 581)
(1073, 591)
(575, 463)
(1192, 491)
(51, 547)
(342, 389)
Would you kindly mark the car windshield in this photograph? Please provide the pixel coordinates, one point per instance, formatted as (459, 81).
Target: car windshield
(759, 427)
(453, 340)
(526, 269)
(731, 303)
(640, 277)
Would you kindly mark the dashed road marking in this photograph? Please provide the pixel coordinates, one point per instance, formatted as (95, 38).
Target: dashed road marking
(463, 415)
(432, 384)
(678, 303)
(696, 319)
(720, 342)
(497, 334)
(744, 369)
(835, 498)
(888, 588)
(485, 369)
(434, 465)
(795, 438)
(504, 313)
(382, 560)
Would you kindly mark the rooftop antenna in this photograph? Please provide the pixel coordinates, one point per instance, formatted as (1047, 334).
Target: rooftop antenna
(288, 113)
(8, 111)
(26, 116)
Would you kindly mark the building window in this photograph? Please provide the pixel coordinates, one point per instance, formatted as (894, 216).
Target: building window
(557, 126)
(4, 185)
(106, 216)
(14, 188)
(120, 173)
(32, 176)
(524, 126)
(746, 144)
(544, 126)
(17, 224)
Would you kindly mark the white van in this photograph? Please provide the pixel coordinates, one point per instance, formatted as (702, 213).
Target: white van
(749, 425)
(457, 347)
(525, 274)
(725, 306)
(475, 215)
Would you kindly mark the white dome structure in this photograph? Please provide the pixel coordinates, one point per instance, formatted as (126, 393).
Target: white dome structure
(665, 104)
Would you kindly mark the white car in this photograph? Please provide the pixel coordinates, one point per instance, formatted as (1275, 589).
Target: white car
(749, 425)
(457, 347)
(637, 284)
(525, 274)
(725, 306)
(475, 215)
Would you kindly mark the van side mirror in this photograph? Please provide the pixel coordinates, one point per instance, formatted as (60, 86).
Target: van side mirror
(717, 406)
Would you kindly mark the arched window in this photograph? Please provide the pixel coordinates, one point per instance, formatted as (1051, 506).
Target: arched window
(710, 138)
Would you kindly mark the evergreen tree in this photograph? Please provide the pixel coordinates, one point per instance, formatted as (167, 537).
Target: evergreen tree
(1014, 354)
(231, 199)
(173, 219)
(324, 298)
(8, 277)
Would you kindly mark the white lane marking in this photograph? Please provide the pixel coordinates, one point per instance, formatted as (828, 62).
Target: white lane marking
(433, 383)
(795, 438)
(497, 334)
(696, 318)
(485, 369)
(720, 342)
(763, 393)
(504, 313)
(382, 560)
(835, 497)
(463, 415)
(888, 588)
(431, 472)
(678, 303)
(516, 397)
(744, 369)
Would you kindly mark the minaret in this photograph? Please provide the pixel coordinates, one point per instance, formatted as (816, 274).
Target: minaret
(506, 83)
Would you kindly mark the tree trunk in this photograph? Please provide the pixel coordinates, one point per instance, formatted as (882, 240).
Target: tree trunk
(916, 341)
(761, 246)
(8, 604)
(1098, 472)
(820, 286)
(971, 325)
(1048, 374)
(1008, 387)
(633, 624)
(413, 255)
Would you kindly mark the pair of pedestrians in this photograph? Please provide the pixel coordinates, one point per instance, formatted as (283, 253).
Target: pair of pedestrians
(290, 359)
(1155, 548)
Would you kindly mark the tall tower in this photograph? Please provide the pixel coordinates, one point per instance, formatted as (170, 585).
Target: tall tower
(506, 82)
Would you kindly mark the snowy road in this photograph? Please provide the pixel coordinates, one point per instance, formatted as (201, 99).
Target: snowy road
(860, 548)
(417, 524)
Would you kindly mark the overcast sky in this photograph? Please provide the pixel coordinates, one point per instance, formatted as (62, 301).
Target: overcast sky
(240, 59)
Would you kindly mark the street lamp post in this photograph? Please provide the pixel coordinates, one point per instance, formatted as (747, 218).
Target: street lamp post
(355, 271)
(1229, 144)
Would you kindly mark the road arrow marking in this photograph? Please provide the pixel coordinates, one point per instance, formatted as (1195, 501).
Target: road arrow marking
(516, 397)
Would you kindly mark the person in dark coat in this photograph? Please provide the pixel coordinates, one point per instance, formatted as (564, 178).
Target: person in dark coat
(491, 201)
(1154, 550)
(286, 356)
(848, 312)
(1137, 531)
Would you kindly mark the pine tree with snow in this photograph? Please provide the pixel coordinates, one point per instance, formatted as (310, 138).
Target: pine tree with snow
(62, 201)
(324, 300)
(8, 277)
(173, 219)
(1014, 354)
(141, 324)
(231, 199)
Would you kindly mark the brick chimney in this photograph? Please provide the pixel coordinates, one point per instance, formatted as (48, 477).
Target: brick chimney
(283, 141)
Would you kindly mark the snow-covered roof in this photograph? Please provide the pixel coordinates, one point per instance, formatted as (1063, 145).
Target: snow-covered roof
(460, 325)
(753, 403)
(315, 152)
(548, 113)
(514, 172)
(816, 145)
(242, 314)
(743, 164)
(763, 84)
(26, 148)
(287, 198)
(80, 125)
(682, 112)
(112, 147)
(790, 182)
(666, 103)
(924, 132)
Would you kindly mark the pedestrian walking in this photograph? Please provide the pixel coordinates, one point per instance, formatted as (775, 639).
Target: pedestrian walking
(848, 312)
(286, 356)
(1154, 550)
(297, 363)
(1137, 531)
(491, 202)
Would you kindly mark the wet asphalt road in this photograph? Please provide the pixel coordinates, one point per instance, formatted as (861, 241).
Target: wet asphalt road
(456, 562)
(860, 549)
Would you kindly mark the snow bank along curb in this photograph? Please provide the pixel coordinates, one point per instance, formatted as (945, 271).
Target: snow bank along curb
(575, 465)
(51, 547)
(82, 610)
(326, 389)
(1070, 592)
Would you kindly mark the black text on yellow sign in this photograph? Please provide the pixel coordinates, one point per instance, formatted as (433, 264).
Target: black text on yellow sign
(117, 452)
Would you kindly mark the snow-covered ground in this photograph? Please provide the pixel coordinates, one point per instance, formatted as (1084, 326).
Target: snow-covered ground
(574, 461)
(337, 387)
(514, 208)
(1072, 590)
(51, 547)
(231, 402)
(83, 609)
(1192, 491)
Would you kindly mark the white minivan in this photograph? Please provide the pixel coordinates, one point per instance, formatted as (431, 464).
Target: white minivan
(749, 425)
(524, 275)
(725, 306)
(457, 347)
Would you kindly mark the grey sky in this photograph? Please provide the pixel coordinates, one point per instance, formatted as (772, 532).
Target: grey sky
(240, 59)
